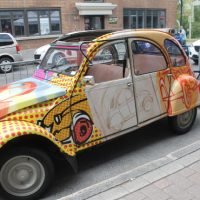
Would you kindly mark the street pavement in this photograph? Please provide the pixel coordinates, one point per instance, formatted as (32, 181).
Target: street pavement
(175, 176)
(27, 54)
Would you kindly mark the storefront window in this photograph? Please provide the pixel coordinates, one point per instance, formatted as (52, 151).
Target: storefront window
(18, 23)
(144, 18)
(38, 22)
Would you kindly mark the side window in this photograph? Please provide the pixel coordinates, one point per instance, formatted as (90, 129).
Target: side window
(176, 55)
(147, 57)
(109, 63)
(5, 40)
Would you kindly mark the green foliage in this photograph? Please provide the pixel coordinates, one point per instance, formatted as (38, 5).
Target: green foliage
(196, 29)
(187, 11)
(196, 23)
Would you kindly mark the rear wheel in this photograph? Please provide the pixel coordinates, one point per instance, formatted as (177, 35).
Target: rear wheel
(8, 67)
(25, 173)
(182, 123)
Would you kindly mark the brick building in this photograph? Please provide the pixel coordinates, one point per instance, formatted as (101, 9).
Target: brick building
(37, 22)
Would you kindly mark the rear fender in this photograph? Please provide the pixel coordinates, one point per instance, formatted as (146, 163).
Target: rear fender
(184, 95)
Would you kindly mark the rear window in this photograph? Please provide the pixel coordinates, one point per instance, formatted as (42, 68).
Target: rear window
(5, 39)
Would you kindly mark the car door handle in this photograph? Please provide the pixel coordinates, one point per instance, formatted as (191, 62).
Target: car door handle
(169, 75)
(129, 84)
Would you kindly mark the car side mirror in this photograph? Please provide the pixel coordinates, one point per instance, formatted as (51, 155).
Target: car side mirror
(89, 80)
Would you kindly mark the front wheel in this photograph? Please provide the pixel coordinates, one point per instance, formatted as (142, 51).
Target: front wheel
(25, 173)
(182, 123)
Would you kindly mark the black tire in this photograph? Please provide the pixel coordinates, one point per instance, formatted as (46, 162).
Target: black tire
(25, 173)
(182, 123)
(6, 68)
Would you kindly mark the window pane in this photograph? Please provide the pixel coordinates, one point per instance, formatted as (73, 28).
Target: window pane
(155, 21)
(5, 40)
(147, 58)
(44, 22)
(140, 22)
(109, 63)
(148, 19)
(126, 21)
(18, 23)
(175, 53)
(6, 25)
(162, 19)
(4, 15)
(33, 23)
(55, 21)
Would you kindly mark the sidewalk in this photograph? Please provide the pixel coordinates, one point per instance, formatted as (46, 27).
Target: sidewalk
(173, 177)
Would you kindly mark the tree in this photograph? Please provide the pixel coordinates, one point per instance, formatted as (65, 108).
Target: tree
(183, 14)
(196, 23)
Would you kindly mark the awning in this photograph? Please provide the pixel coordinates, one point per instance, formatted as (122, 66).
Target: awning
(95, 8)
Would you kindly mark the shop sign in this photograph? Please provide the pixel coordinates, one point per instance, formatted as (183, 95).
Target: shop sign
(112, 20)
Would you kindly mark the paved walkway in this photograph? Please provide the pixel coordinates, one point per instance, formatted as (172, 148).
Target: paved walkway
(173, 177)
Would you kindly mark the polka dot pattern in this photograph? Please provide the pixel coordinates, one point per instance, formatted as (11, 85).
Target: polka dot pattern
(26, 121)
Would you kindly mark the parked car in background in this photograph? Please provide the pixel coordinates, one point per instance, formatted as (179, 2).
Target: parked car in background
(9, 52)
(194, 51)
(71, 37)
(86, 93)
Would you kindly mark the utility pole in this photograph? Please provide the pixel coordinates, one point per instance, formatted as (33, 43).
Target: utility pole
(181, 13)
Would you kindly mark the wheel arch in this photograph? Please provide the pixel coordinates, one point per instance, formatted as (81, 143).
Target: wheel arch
(32, 135)
(6, 56)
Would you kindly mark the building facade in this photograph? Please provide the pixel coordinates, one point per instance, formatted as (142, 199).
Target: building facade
(37, 22)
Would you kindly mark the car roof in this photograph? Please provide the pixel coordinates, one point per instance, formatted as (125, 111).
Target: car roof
(88, 33)
(157, 35)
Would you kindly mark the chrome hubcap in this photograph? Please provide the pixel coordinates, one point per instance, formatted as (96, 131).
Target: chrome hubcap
(185, 119)
(22, 176)
(6, 67)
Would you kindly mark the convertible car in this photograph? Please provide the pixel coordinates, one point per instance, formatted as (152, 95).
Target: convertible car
(85, 93)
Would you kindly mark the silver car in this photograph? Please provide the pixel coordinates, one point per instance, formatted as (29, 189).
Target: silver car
(9, 52)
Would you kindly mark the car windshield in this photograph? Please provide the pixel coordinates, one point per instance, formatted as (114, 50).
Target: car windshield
(65, 59)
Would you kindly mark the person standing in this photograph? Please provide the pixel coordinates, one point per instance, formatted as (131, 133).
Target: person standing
(182, 35)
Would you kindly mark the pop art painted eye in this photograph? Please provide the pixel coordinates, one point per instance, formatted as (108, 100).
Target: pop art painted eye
(82, 127)
(58, 119)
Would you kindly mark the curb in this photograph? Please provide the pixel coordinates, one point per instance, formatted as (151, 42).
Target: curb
(139, 177)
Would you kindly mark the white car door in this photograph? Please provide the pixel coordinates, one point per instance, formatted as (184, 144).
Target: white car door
(111, 97)
(151, 83)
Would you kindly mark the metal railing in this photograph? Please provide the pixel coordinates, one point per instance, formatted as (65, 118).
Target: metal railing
(20, 70)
